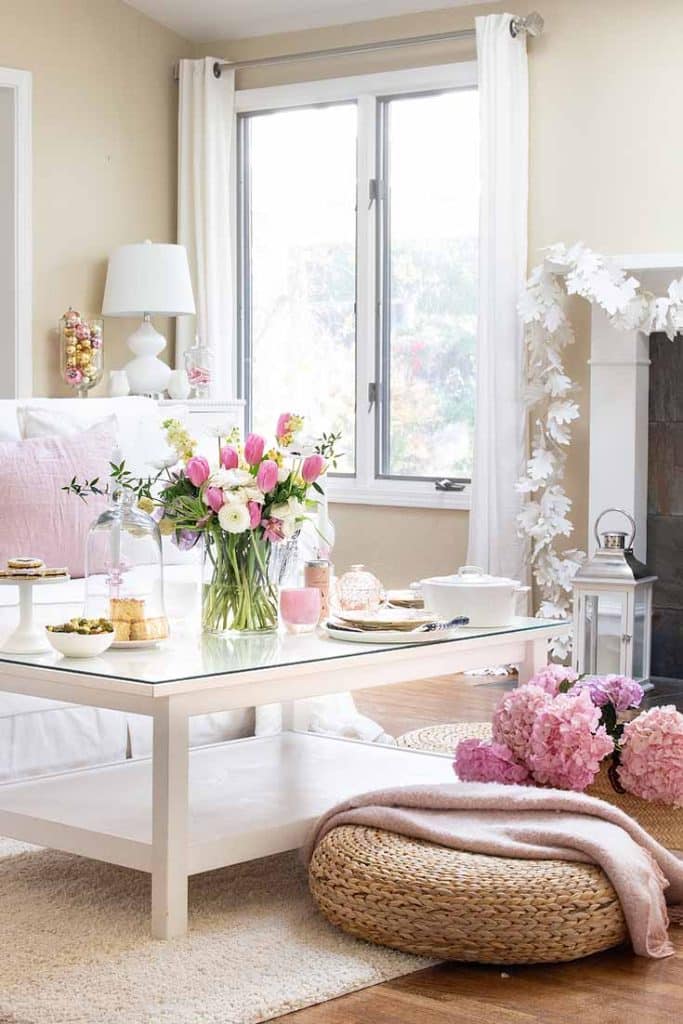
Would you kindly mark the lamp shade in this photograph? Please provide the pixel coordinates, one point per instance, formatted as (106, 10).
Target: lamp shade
(148, 277)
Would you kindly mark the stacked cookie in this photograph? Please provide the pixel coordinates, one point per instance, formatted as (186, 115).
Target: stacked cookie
(130, 623)
(29, 568)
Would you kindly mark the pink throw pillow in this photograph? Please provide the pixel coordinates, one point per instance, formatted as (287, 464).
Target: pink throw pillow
(37, 517)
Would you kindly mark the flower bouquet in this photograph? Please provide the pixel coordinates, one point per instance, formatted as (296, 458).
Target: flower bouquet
(569, 733)
(252, 499)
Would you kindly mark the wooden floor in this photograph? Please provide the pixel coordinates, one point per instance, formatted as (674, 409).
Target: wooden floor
(612, 988)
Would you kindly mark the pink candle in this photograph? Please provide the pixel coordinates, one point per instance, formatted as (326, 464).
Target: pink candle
(300, 609)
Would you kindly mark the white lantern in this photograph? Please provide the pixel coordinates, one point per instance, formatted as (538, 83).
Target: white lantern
(613, 608)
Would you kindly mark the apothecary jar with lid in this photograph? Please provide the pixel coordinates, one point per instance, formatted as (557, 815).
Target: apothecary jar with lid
(125, 573)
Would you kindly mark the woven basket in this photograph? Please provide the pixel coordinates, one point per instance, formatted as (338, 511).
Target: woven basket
(664, 823)
(434, 901)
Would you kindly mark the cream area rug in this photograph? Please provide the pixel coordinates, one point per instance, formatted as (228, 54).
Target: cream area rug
(76, 947)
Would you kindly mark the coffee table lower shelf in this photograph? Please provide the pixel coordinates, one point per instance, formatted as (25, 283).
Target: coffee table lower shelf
(247, 799)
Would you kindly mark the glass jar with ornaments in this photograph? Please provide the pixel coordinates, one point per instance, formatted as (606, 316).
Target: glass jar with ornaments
(81, 351)
(198, 367)
(124, 572)
(358, 590)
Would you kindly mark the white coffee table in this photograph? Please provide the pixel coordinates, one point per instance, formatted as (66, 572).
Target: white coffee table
(185, 811)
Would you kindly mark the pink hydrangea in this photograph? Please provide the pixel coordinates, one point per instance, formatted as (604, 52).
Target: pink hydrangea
(652, 756)
(567, 744)
(483, 761)
(514, 718)
(550, 678)
(620, 691)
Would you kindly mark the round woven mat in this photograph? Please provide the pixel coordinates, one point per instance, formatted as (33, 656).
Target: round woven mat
(431, 900)
(443, 739)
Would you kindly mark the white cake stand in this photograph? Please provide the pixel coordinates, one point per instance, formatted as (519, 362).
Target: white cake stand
(28, 638)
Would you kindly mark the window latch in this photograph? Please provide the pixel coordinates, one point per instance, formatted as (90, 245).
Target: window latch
(376, 191)
(372, 395)
(446, 484)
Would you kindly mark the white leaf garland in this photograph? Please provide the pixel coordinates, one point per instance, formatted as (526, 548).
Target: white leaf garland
(544, 518)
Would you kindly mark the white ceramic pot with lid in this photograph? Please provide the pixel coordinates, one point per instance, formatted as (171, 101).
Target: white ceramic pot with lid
(488, 601)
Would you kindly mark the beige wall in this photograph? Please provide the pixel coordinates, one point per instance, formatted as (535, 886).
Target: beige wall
(104, 152)
(606, 95)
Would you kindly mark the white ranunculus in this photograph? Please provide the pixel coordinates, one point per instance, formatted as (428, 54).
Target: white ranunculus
(290, 509)
(236, 497)
(254, 494)
(234, 518)
(229, 478)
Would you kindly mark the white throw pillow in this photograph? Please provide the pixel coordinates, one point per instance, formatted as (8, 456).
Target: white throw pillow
(139, 430)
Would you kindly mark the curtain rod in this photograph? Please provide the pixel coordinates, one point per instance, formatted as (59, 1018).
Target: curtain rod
(532, 25)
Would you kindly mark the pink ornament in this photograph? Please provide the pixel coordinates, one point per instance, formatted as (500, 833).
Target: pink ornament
(96, 342)
(73, 376)
(82, 332)
(254, 447)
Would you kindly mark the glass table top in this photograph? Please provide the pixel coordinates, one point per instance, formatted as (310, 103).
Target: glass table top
(189, 655)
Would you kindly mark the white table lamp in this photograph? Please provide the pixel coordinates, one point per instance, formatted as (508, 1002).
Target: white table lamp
(145, 279)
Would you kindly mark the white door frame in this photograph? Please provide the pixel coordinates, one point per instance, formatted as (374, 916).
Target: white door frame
(20, 82)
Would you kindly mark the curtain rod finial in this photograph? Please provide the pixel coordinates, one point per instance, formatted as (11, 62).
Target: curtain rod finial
(532, 24)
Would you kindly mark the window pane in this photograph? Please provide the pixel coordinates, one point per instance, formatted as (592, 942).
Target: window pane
(303, 267)
(431, 296)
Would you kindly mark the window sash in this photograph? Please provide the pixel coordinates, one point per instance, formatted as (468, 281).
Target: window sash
(371, 93)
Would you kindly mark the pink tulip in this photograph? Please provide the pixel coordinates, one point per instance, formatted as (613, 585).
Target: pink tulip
(229, 457)
(312, 468)
(282, 429)
(266, 477)
(253, 449)
(197, 470)
(254, 514)
(214, 498)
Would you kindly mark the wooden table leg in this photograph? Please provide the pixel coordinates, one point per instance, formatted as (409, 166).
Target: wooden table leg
(170, 821)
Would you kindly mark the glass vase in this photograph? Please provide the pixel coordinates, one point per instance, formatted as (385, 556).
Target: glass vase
(81, 351)
(237, 593)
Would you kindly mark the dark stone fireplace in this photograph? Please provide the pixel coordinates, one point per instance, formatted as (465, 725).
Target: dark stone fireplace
(665, 504)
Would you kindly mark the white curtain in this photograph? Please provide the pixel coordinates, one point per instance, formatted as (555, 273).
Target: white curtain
(501, 422)
(205, 139)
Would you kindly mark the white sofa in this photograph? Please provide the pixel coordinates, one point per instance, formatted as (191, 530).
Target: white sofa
(42, 736)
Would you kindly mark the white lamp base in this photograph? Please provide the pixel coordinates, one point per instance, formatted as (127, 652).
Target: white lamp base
(147, 374)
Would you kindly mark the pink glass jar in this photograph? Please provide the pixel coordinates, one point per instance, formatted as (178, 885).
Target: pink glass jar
(300, 609)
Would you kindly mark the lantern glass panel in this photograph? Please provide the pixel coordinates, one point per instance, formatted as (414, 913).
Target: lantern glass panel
(603, 631)
(640, 627)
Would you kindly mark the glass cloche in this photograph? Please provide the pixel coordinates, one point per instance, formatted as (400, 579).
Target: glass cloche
(124, 572)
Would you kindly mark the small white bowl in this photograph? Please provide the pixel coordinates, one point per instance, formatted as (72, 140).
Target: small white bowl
(78, 645)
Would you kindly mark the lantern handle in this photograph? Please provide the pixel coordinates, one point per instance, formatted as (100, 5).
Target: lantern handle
(622, 512)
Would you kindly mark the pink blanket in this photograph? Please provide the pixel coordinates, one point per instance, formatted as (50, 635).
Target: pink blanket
(520, 821)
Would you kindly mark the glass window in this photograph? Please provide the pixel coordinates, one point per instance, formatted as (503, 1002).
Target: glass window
(298, 224)
(428, 225)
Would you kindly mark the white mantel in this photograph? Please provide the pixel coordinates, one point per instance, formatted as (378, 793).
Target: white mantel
(619, 390)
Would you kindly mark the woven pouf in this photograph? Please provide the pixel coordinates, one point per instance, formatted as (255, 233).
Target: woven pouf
(431, 900)
(434, 901)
